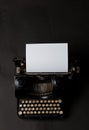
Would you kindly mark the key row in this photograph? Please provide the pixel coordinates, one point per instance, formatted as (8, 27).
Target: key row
(37, 108)
(40, 101)
(39, 112)
(39, 105)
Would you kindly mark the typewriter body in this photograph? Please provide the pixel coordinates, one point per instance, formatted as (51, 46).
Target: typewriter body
(41, 95)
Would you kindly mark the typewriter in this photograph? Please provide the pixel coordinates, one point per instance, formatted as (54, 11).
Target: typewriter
(40, 83)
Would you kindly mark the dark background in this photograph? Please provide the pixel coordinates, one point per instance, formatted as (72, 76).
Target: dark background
(24, 21)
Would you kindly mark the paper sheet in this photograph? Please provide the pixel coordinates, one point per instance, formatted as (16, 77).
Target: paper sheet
(47, 57)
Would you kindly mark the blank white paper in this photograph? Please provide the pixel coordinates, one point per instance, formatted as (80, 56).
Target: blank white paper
(47, 57)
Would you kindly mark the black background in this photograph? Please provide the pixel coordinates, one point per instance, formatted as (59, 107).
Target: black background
(23, 21)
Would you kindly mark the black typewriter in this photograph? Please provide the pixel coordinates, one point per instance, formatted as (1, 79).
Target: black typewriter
(41, 95)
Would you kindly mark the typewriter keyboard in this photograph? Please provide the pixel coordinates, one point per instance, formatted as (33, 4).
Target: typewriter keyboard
(39, 107)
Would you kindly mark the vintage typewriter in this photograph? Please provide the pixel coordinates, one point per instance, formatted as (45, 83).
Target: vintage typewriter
(39, 85)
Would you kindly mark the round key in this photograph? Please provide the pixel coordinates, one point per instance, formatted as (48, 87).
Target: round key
(60, 101)
(61, 112)
(47, 105)
(31, 105)
(29, 108)
(22, 101)
(57, 112)
(26, 101)
(41, 101)
(20, 105)
(48, 108)
(35, 112)
(50, 105)
(37, 108)
(53, 112)
(45, 101)
(50, 112)
(29, 101)
(28, 105)
(28, 112)
(39, 105)
(24, 105)
(52, 101)
(26, 109)
(43, 105)
(35, 105)
(58, 108)
(31, 112)
(33, 101)
(22, 109)
(39, 112)
(20, 113)
(43, 112)
(49, 101)
(56, 101)
(37, 101)
(58, 105)
(40, 108)
(51, 108)
(55, 108)
(44, 108)
(33, 108)
(24, 112)
(54, 105)
(46, 112)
